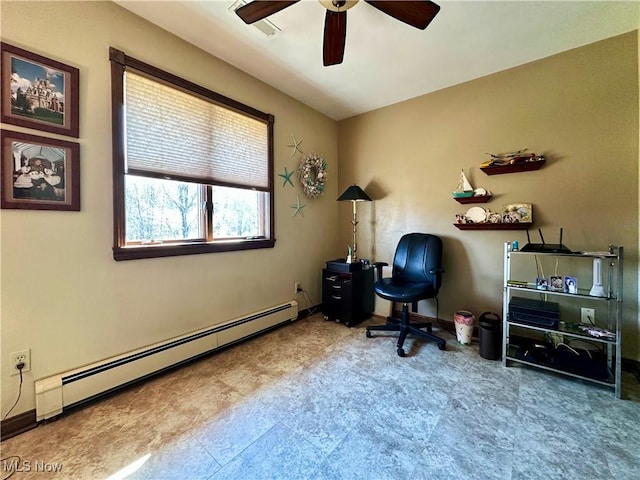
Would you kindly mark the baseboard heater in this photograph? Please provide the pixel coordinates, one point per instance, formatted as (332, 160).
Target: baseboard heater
(70, 389)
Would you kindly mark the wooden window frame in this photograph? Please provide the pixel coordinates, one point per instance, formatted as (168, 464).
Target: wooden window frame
(121, 251)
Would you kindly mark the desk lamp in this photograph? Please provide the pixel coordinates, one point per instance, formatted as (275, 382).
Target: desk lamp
(354, 194)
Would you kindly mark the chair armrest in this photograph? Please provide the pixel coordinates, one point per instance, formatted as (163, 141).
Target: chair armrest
(378, 266)
(438, 273)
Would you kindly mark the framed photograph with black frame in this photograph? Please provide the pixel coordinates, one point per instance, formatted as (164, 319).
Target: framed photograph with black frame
(39, 173)
(38, 92)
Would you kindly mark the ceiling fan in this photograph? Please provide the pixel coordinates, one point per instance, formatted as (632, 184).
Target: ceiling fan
(417, 13)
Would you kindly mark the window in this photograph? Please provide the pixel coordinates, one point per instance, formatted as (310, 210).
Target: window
(192, 169)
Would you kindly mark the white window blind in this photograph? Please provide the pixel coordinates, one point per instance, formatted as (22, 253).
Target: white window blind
(175, 134)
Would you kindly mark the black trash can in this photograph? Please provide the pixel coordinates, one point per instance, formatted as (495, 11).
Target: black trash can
(490, 336)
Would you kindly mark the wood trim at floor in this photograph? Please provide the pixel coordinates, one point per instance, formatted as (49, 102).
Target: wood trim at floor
(306, 312)
(18, 424)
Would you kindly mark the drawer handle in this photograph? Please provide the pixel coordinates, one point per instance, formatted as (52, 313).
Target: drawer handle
(336, 298)
(337, 287)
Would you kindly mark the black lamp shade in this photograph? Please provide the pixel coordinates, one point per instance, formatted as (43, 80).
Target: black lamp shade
(354, 194)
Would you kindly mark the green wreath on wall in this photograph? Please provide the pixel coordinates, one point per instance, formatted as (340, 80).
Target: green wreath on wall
(312, 173)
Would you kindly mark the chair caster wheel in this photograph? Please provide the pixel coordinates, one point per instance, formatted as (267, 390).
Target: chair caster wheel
(368, 334)
(441, 346)
(401, 353)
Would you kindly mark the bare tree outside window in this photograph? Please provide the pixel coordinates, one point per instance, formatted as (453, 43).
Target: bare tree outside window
(235, 213)
(158, 210)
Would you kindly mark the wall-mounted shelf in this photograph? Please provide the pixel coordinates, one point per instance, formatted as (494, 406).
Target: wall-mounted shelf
(516, 167)
(492, 226)
(478, 199)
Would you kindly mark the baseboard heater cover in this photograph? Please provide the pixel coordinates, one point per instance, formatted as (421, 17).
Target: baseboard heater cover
(62, 391)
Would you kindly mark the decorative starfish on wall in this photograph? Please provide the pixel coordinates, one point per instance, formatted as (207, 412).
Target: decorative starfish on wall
(297, 207)
(287, 177)
(295, 145)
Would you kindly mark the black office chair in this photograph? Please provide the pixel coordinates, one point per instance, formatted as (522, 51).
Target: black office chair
(417, 274)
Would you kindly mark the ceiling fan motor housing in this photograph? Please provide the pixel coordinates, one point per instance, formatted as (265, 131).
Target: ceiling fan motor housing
(338, 5)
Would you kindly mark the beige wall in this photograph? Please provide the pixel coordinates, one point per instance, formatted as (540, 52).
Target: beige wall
(578, 108)
(63, 295)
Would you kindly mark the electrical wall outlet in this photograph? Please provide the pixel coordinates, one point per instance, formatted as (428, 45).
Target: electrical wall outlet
(297, 287)
(23, 356)
(587, 315)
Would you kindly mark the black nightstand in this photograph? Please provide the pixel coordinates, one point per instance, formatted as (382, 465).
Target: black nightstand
(347, 296)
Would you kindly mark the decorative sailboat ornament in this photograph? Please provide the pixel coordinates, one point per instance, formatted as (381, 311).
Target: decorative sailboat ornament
(464, 187)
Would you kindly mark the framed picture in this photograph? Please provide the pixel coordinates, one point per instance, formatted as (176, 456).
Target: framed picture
(556, 283)
(38, 92)
(39, 173)
(541, 283)
(570, 285)
(517, 213)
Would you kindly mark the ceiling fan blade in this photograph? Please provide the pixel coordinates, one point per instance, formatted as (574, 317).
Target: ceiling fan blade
(415, 13)
(335, 34)
(259, 9)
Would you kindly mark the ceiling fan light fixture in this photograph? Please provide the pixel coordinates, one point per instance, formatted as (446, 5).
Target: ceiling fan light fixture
(338, 5)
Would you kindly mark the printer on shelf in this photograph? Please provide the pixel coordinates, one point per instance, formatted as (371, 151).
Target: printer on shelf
(537, 313)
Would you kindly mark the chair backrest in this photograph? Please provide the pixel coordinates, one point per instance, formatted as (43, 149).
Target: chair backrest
(417, 254)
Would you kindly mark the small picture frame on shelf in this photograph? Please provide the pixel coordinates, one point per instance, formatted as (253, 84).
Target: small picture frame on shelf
(517, 213)
(556, 283)
(541, 283)
(570, 284)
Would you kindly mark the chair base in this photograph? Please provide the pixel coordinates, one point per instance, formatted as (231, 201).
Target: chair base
(403, 326)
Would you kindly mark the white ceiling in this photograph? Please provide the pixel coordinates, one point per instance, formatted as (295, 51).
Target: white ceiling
(387, 61)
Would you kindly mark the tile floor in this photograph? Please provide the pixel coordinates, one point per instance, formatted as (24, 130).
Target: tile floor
(318, 400)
